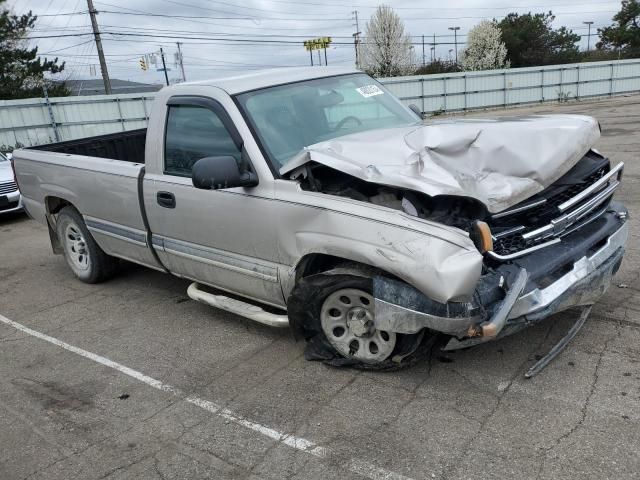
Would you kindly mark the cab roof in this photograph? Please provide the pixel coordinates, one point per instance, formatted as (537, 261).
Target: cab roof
(269, 78)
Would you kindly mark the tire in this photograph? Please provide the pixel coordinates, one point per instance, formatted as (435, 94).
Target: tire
(85, 258)
(334, 314)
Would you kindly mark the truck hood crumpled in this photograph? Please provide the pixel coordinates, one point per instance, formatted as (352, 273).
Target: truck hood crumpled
(499, 162)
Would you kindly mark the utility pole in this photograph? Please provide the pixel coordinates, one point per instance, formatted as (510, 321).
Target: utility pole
(96, 34)
(184, 78)
(423, 51)
(164, 67)
(356, 38)
(588, 35)
(434, 48)
(455, 41)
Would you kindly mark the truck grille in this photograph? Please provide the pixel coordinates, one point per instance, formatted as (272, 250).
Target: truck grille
(579, 197)
(8, 187)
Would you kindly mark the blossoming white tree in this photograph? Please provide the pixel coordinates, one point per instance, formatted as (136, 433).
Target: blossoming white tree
(386, 50)
(485, 49)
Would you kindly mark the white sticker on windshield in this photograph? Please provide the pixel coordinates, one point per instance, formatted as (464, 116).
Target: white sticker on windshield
(369, 91)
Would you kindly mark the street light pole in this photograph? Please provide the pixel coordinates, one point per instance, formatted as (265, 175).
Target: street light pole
(588, 35)
(455, 41)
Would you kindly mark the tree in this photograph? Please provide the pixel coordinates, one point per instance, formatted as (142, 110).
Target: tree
(438, 66)
(531, 40)
(485, 49)
(623, 37)
(21, 69)
(387, 50)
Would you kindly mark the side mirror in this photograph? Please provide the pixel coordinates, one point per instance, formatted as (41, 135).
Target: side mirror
(414, 108)
(214, 173)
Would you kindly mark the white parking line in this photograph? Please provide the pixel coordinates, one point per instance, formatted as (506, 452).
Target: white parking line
(355, 465)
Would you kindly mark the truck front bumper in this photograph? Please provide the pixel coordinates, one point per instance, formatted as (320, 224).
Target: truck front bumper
(577, 272)
(13, 202)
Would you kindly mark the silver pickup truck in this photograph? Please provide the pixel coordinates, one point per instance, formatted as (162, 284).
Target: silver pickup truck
(313, 198)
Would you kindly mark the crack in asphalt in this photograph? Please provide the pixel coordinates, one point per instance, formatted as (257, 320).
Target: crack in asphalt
(584, 407)
(448, 470)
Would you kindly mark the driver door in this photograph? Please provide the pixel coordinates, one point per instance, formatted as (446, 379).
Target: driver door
(223, 238)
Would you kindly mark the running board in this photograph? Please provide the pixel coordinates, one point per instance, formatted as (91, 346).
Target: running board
(244, 309)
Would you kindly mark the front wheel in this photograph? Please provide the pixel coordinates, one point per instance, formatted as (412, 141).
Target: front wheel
(335, 314)
(347, 320)
(85, 258)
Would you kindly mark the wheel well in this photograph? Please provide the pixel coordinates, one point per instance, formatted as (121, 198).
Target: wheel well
(55, 204)
(314, 263)
(52, 206)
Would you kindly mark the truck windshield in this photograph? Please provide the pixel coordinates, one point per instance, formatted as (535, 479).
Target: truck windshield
(289, 117)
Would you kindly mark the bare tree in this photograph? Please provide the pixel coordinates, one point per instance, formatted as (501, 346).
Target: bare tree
(485, 49)
(387, 50)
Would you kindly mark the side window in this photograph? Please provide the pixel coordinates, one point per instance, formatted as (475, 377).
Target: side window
(193, 133)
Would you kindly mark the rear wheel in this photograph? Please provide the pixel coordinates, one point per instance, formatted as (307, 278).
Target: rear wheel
(335, 314)
(85, 258)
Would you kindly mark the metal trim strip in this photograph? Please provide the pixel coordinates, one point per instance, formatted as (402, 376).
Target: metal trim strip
(537, 203)
(521, 253)
(517, 229)
(218, 258)
(115, 231)
(617, 170)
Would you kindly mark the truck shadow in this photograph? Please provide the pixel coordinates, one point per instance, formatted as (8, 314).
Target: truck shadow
(12, 218)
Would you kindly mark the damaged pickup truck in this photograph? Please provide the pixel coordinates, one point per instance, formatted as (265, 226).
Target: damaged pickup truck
(313, 198)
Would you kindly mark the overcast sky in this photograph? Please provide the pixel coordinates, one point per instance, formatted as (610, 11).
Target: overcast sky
(261, 22)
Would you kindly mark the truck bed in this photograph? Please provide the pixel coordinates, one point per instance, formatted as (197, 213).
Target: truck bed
(126, 146)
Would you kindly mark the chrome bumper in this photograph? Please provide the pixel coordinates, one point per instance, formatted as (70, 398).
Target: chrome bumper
(13, 197)
(540, 299)
(584, 284)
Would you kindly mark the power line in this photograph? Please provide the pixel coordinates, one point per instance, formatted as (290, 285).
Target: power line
(233, 34)
(373, 7)
(235, 5)
(79, 12)
(298, 19)
(256, 38)
(224, 18)
(66, 48)
(197, 19)
(230, 34)
(67, 24)
(299, 3)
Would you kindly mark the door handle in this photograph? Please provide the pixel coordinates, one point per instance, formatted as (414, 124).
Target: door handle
(166, 199)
